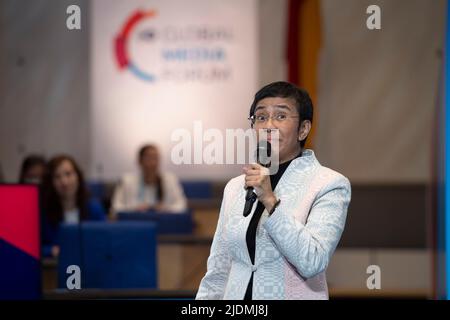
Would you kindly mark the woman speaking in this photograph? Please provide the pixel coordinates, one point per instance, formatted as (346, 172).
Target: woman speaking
(282, 247)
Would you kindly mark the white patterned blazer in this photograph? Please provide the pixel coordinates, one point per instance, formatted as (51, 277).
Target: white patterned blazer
(293, 246)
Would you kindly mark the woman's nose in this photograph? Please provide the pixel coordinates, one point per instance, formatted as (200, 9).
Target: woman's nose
(64, 182)
(269, 124)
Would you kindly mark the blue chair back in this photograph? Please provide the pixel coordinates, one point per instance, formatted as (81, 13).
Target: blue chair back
(96, 189)
(197, 189)
(110, 255)
(166, 223)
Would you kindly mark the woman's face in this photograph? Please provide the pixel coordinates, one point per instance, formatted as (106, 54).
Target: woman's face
(150, 161)
(288, 129)
(65, 180)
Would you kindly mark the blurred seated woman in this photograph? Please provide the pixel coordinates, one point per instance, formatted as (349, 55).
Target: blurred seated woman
(149, 190)
(65, 200)
(32, 169)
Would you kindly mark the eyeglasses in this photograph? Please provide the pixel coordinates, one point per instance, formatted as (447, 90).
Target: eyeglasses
(263, 118)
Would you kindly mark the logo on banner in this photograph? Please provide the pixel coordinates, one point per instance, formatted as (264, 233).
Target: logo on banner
(122, 54)
(173, 51)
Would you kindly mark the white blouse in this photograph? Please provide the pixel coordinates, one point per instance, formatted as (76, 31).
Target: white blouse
(133, 192)
(72, 216)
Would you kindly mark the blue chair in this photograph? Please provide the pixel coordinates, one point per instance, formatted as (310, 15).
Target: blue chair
(110, 255)
(96, 189)
(166, 223)
(197, 189)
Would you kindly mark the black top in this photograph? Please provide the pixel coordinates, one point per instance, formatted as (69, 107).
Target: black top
(251, 231)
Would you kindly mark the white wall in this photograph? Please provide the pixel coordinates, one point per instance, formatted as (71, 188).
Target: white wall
(128, 111)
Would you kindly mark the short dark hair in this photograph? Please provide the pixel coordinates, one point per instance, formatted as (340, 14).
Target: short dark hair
(283, 89)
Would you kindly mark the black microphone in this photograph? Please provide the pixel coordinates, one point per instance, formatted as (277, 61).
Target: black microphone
(263, 153)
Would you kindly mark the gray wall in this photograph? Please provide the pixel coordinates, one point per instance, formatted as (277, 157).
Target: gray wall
(44, 82)
(378, 89)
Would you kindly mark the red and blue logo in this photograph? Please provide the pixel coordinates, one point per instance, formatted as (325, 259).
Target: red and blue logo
(121, 49)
